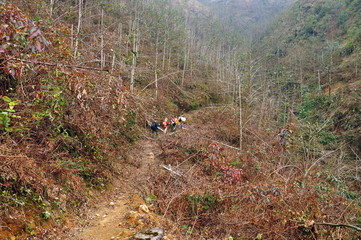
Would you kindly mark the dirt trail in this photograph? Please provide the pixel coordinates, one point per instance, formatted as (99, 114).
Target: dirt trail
(107, 220)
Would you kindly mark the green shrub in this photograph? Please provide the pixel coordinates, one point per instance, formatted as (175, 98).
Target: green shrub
(7, 115)
(194, 105)
(326, 138)
(202, 202)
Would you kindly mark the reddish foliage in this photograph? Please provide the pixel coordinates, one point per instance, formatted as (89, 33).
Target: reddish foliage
(231, 174)
(18, 36)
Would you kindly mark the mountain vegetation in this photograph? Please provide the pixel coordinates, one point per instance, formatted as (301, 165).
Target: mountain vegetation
(315, 46)
(249, 18)
(271, 91)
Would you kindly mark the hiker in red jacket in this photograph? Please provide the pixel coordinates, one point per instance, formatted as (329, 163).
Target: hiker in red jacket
(165, 124)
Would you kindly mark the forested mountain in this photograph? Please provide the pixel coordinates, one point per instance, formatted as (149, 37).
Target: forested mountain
(270, 90)
(314, 48)
(249, 17)
(322, 26)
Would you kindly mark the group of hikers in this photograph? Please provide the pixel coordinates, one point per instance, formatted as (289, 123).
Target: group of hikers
(172, 124)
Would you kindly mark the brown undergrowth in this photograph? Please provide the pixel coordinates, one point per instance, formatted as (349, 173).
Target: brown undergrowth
(65, 126)
(61, 129)
(216, 191)
(65, 130)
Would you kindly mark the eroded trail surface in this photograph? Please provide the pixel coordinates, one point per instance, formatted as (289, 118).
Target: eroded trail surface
(119, 216)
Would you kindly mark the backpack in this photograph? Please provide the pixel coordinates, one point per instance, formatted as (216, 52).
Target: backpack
(182, 119)
(154, 126)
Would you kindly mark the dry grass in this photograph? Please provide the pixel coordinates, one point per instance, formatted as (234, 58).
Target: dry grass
(273, 200)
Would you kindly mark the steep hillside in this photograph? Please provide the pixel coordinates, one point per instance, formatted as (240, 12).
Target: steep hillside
(326, 31)
(78, 83)
(202, 187)
(271, 144)
(314, 49)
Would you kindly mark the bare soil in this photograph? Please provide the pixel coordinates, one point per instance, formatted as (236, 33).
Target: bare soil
(112, 218)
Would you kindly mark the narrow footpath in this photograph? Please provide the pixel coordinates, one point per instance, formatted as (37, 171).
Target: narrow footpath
(121, 216)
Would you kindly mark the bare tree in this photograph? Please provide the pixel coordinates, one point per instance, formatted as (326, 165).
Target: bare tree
(102, 56)
(135, 35)
(80, 13)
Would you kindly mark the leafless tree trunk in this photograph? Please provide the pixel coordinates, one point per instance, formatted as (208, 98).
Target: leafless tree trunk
(80, 9)
(169, 58)
(51, 8)
(164, 53)
(319, 80)
(301, 77)
(356, 68)
(186, 51)
(72, 36)
(185, 61)
(113, 61)
(121, 44)
(240, 112)
(156, 67)
(134, 51)
(102, 57)
(330, 76)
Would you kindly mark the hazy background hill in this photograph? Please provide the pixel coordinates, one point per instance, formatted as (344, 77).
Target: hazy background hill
(249, 17)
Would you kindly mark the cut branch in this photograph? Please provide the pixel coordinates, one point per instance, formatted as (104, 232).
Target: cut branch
(169, 168)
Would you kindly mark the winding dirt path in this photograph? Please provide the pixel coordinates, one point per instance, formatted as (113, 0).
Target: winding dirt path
(115, 218)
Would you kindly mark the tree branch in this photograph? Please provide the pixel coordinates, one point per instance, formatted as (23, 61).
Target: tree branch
(169, 168)
(62, 65)
(340, 225)
(165, 76)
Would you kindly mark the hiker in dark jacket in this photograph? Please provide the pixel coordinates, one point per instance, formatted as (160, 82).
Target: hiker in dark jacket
(154, 126)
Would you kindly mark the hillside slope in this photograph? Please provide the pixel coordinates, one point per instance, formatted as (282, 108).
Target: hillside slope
(265, 153)
(312, 54)
(326, 31)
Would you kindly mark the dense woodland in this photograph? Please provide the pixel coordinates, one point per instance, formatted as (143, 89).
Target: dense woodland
(271, 90)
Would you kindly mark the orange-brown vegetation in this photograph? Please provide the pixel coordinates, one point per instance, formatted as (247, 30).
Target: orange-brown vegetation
(260, 195)
(66, 123)
(53, 125)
